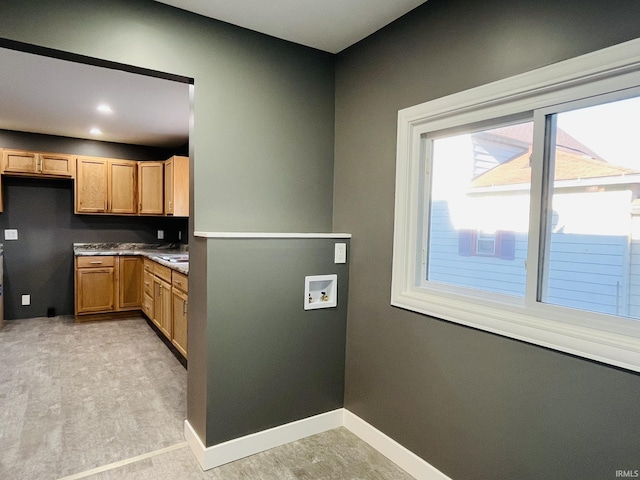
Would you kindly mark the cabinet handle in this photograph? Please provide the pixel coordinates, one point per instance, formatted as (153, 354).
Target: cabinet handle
(184, 307)
(96, 262)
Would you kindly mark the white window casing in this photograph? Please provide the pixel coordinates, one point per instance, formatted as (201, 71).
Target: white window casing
(605, 338)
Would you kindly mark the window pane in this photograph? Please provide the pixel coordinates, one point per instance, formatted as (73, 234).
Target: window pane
(479, 209)
(592, 254)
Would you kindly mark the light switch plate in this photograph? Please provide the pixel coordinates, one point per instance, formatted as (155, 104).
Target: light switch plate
(160, 234)
(26, 299)
(340, 255)
(11, 234)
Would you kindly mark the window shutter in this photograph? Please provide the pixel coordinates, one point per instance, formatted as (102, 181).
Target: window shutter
(507, 242)
(465, 242)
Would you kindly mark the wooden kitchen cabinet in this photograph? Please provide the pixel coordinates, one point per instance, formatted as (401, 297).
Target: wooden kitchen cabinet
(122, 187)
(162, 306)
(150, 188)
(105, 186)
(129, 283)
(147, 289)
(176, 186)
(95, 284)
(40, 164)
(91, 185)
(180, 311)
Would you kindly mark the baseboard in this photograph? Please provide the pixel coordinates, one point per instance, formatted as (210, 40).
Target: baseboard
(216, 455)
(401, 456)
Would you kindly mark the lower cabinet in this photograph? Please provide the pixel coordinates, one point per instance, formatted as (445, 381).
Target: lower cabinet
(108, 286)
(180, 304)
(162, 306)
(165, 302)
(95, 284)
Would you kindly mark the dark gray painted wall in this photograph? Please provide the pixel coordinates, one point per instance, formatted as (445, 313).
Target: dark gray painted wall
(474, 405)
(270, 361)
(40, 262)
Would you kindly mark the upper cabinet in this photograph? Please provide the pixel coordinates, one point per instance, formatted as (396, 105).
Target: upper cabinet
(110, 186)
(176, 186)
(150, 188)
(122, 186)
(106, 186)
(19, 162)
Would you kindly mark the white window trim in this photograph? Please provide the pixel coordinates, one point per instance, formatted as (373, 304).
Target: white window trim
(607, 70)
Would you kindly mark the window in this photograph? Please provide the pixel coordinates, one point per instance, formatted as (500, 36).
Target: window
(518, 208)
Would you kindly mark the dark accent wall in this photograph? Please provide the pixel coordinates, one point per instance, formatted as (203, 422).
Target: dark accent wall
(40, 262)
(270, 361)
(474, 405)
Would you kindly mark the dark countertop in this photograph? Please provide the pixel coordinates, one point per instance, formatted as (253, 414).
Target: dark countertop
(148, 250)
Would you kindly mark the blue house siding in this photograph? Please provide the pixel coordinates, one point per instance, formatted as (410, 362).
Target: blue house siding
(585, 271)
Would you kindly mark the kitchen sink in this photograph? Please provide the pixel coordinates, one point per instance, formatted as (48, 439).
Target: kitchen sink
(175, 258)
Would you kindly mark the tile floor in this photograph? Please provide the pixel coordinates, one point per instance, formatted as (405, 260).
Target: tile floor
(107, 400)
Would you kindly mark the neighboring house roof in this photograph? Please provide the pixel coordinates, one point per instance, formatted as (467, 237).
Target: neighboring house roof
(569, 165)
(524, 132)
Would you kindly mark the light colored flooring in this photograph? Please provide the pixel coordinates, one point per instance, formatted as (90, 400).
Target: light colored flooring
(107, 400)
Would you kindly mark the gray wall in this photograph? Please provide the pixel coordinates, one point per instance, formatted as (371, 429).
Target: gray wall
(474, 405)
(40, 262)
(270, 361)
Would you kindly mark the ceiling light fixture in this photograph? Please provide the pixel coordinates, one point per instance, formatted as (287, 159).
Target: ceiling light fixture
(104, 108)
(95, 131)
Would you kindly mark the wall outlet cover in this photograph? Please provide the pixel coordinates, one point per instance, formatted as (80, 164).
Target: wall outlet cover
(26, 299)
(11, 234)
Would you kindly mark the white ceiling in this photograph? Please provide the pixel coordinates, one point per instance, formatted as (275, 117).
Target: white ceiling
(329, 25)
(58, 97)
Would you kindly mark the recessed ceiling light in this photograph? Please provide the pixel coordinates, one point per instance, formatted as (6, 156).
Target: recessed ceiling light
(95, 131)
(104, 108)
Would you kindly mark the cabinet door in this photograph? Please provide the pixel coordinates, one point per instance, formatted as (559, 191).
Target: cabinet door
(150, 188)
(56, 165)
(95, 290)
(180, 315)
(91, 185)
(168, 187)
(162, 306)
(129, 283)
(177, 186)
(122, 186)
(14, 161)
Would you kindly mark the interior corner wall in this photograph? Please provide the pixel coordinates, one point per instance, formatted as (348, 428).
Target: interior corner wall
(472, 404)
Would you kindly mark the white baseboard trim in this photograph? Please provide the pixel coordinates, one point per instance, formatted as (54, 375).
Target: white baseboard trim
(216, 455)
(401, 456)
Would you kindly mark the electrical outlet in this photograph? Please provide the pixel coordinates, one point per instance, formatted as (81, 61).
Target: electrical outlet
(179, 234)
(160, 234)
(26, 299)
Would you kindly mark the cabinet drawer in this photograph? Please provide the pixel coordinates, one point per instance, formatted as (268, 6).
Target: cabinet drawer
(95, 261)
(180, 281)
(162, 272)
(148, 265)
(148, 283)
(147, 305)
